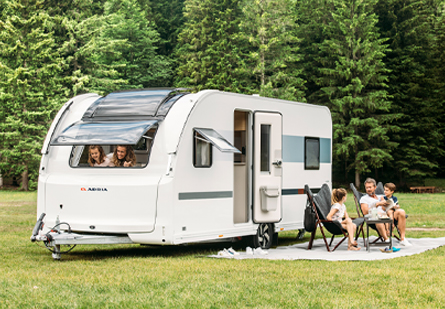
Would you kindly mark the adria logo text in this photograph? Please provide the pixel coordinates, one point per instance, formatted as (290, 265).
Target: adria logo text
(93, 189)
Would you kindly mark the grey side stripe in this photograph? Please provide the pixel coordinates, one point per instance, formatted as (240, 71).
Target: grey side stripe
(204, 195)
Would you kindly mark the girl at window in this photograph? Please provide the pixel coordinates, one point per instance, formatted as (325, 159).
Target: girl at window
(97, 157)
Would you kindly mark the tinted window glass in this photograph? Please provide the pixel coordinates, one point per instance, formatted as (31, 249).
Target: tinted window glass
(265, 148)
(312, 154)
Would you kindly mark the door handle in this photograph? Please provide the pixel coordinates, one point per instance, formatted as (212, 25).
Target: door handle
(277, 163)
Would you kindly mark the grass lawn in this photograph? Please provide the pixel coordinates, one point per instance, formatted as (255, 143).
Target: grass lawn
(133, 276)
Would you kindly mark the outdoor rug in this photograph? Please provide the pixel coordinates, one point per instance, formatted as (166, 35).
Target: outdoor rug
(319, 252)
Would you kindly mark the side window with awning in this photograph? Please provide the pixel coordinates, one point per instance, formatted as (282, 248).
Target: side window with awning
(203, 142)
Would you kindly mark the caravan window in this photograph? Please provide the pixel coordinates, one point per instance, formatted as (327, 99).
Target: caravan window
(80, 153)
(202, 151)
(312, 153)
(203, 142)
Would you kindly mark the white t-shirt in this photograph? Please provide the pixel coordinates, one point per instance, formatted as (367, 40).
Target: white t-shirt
(340, 213)
(107, 162)
(366, 199)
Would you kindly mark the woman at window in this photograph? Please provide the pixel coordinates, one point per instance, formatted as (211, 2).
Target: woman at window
(124, 156)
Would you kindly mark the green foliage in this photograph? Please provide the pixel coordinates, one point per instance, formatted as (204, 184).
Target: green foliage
(414, 86)
(30, 86)
(379, 66)
(269, 27)
(352, 81)
(133, 53)
(209, 54)
(169, 20)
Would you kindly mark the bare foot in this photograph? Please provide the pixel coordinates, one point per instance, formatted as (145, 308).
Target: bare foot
(352, 248)
(355, 244)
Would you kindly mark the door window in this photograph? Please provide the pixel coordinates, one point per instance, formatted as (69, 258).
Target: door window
(265, 148)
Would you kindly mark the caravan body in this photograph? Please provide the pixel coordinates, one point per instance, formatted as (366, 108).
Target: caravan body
(210, 165)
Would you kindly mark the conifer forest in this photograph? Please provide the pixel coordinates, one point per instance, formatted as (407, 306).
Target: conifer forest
(379, 65)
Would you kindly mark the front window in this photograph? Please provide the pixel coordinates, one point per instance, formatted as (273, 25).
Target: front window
(136, 155)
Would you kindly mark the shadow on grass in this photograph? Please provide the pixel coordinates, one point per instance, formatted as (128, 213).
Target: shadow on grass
(194, 250)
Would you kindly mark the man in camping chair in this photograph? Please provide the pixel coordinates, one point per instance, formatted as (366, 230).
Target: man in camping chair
(370, 199)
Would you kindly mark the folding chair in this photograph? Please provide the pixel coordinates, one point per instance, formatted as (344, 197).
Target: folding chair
(321, 204)
(358, 195)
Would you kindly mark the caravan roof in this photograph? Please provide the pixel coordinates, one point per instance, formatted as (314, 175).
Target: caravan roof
(133, 104)
(120, 118)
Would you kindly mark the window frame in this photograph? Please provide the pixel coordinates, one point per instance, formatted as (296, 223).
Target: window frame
(306, 167)
(146, 152)
(195, 145)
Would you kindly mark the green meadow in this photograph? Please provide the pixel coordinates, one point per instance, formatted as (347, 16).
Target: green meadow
(134, 276)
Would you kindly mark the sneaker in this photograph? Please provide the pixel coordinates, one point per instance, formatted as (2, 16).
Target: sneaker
(249, 251)
(386, 241)
(232, 252)
(386, 250)
(405, 243)
(259, 251)
(223, 253)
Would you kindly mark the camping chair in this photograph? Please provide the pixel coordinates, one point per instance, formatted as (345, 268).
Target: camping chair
(380, 191)
(321, 204)
(357, 196)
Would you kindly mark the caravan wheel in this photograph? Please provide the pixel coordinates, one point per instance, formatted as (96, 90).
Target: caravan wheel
(264, 236)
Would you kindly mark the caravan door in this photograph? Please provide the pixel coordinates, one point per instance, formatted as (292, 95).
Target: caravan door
(267, 167)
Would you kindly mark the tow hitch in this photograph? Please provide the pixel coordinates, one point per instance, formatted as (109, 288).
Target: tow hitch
(48, 238)
(57, 237)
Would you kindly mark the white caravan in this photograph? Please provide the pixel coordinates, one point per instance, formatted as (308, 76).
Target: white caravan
(209, 165)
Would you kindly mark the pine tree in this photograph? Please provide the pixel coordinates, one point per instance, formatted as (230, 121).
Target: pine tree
(353, 81)
(269, 27)
(208, 53)
(134, 55)
(169, 20)
(414, 87)
(30, 89)
(313, 18)
(439, 73)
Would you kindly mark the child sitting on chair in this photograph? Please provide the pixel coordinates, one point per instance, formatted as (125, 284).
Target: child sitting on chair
(338, 212)
(391, 201)
(395, 212)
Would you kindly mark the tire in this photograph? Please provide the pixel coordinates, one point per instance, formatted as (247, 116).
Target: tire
(264, 236)
(301, 233)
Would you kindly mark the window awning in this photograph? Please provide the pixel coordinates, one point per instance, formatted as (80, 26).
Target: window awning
(104, 133)
(217, 140)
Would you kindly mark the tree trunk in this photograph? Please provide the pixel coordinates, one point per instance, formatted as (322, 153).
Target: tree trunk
(357, 180)
(25, 180)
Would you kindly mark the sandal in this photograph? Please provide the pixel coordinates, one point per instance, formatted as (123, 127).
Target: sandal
(354, 248)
